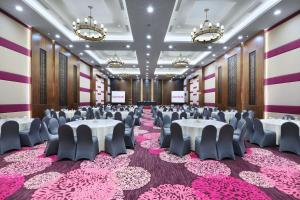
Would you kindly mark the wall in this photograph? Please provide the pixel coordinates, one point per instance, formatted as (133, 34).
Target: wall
(194, 90)
(123, 85)
(282, 70)
(85, 84)
(15, 73)
(209, 85)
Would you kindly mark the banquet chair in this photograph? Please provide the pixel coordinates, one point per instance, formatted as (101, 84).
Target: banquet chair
(53, 126)
(167, 121)
(233, 122)
(196, 115)
(221, 116)
(288, 117)
(205, 146)
(239, 142)
(239, 127)
(62, 121)
(137, 117)
(175, 116)
(249, 129)
(121, 109)
(165, 135)
(46, 119)
(66, 143)
(62, 114)
(114, 143)
(131, 114)
(238, 116)
(251, 115)
(245, 115)
(53, 114)
(87, 144)
(47, 113)
(183, 115)
(262, 137)
(78, 113)
(83, 109)
(76, 117)
(129, 132)
(108, 115)
(52, 143)
(31, 137)
(158, 116)
(9, 137)
(224, 143)
(165, 110)
(90, 114)
(97, 114)
(180, 145)
(118, 116)
(289, 139)
(170, 109)
(206, 114)
(44, 129)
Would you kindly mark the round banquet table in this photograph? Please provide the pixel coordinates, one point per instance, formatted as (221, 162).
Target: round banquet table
(24, 122)
(275, 125)
(123, 113)
(194, 127)
(228, 115)
(100, 128)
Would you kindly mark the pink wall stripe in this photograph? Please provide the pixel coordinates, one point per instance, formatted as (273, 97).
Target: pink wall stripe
(7, 76)
(283, 79)
(14, 47)
(209, 104)
(84, 89)
(85, 75)
(84, 103)
(6, 108)
(283, 49)
(209, 76)
(210, 90)
(282, 109)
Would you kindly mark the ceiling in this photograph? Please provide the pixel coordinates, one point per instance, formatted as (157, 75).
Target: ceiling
(169, 26)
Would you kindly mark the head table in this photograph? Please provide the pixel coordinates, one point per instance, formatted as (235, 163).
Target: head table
(194, 128)
(275, 125)
(100, 128)
(24, 122)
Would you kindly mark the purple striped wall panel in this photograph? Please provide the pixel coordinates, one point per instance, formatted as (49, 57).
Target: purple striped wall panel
(84, 103)
(283, 49)
(6, 108)
(85, 75)
(14, 47)
(210, 90)
(84, 89)
(209, 76)
(283, 79)
(283, 109)
(7, 76)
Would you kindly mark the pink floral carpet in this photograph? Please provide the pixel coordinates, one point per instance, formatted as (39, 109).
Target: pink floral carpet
(150, 172)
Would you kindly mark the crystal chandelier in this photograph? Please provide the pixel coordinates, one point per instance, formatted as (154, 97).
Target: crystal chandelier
(181, 62)
(207, 32)
(89, 29)
(115, 61)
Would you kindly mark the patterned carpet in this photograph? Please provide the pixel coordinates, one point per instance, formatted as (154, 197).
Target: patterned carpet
(150, 172)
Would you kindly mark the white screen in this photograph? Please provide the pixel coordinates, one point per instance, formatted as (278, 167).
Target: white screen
(177, 97)
(118, 96)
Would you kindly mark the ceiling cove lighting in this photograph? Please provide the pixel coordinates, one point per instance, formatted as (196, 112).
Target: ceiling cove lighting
(87, 46)
(57, 36)
(19, 8)
(150, 9)
(127, 46)
(207, 32)
(240, 37)
(148, 37)
(89, 29)
(170, 47)
(148, 46)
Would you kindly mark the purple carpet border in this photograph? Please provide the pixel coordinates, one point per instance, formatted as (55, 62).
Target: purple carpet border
(14, 47)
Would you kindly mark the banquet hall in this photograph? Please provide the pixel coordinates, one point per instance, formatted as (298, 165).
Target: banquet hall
(149, 99)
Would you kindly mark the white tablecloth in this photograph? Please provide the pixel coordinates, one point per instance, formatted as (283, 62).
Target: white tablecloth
(100, 128)
(123, 113)
(275, 125)
(24, 123)
(194, 127)
(228, 115)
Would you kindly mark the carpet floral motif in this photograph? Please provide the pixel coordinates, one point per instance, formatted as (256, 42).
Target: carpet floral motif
(221, 187)
(207, 167)
(41, 180)
(171, 158)
(24, 155)
(150, 144)
(80, 184)
(9, 184)
(131, 178)
(256, 178)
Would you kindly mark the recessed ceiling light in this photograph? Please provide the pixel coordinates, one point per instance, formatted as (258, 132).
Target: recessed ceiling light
(92, 61)
(240, 37)
(209, 47)
(150, 9)
(57, 35)
(161, 66)
(127, 46)
(133, 66)
(147, 61)
(147, 66)
(225, 47)
(147, 69)
(71, 45)
(81, 53)
(148, 37)
(214, 55)
(170, 47)
(87, 46)
(19, 8)
(148, 46)
(147, 54)
(277, 12)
